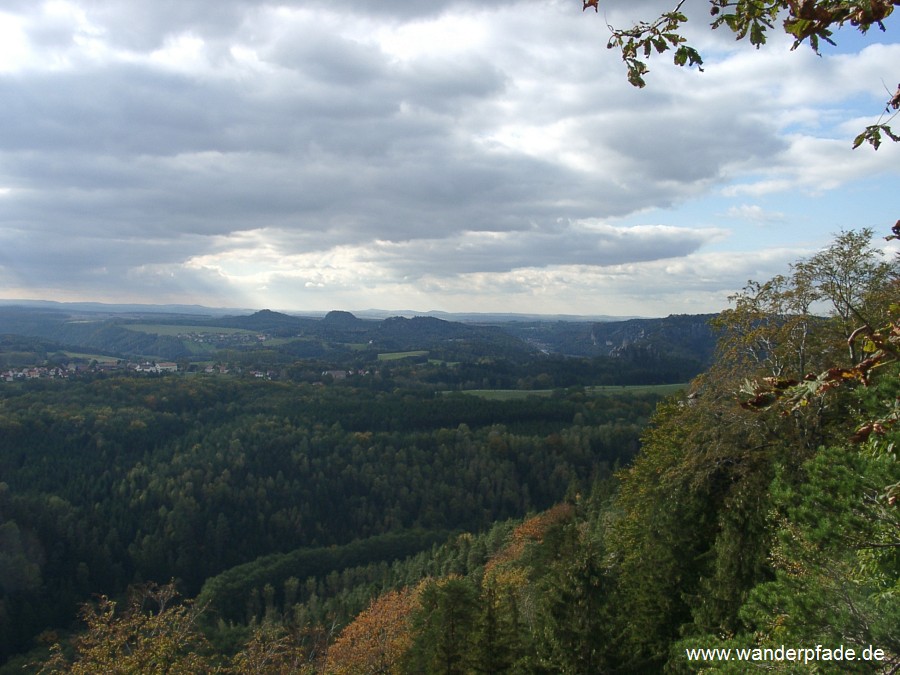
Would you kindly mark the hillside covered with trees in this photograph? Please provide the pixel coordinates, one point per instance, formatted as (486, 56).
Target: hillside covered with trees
(120, 479)
(344, 496)
(351, 530)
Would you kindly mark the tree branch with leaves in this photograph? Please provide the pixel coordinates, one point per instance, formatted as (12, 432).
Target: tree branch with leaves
(809, 21)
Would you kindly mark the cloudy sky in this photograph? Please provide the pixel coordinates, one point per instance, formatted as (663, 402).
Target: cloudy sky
(457, 155)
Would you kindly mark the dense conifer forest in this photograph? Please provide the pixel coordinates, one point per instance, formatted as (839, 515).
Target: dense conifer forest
(198, 523)
(114, 480)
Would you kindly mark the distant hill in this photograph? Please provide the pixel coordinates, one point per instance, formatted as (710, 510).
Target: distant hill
(680, 336)
(454, 339)
(343, 319)
(86, 331)
(100, 308)
(265, 321)
(487, 318)
(339, 333)
(395, 333)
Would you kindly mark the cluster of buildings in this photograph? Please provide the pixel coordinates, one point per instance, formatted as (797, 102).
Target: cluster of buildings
(37, 372)
(153, 367)
(72, 369)
(223, 339)
(223, 369)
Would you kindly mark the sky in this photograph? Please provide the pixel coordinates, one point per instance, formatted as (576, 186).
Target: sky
(450, 155)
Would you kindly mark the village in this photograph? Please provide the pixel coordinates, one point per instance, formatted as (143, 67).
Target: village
(74, 369)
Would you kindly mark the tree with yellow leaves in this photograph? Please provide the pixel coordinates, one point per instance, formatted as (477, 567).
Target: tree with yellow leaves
(153, 635)
(376, 641)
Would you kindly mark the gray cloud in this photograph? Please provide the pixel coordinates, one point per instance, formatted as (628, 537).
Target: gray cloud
(458, 137)
(545, 246)
(144, 26)
(328, 58)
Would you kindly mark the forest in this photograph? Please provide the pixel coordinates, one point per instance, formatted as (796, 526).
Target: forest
(207, 524)
(115, 480)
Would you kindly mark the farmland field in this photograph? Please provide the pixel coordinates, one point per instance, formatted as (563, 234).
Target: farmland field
(396, 356)
(518, 394)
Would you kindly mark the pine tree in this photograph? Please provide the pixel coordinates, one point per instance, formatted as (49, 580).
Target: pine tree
(444, 628)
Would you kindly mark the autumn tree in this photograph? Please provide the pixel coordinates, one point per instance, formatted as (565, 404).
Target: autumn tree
(273, 649)
(158, 632)
(378, 638)
(154, 634)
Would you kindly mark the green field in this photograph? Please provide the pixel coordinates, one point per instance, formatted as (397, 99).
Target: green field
(518, 394)
(505, 394)
(661, 389)
(396, 356)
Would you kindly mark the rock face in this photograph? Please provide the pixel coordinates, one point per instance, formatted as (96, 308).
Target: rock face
(681, 335)
(687, 337)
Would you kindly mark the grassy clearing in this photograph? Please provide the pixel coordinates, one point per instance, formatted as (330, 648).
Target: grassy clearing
(506, 394)
(661, 389)
(519, 394)
(277, 342)
(396, 356)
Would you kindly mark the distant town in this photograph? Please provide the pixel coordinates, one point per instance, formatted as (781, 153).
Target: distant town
(75, 370)
(69, 370)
